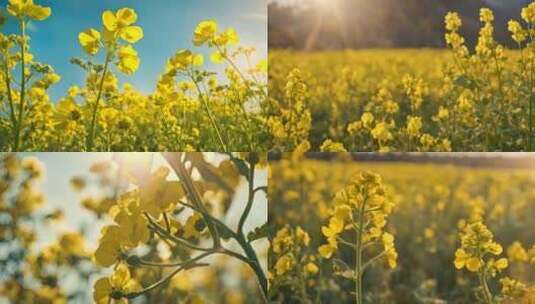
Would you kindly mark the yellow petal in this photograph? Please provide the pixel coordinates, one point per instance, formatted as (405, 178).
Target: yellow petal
(15, 7)
(311, 268)
(39, 12)
(460, 253)
(198, 60)
(228, 37)
(342, 212)
(107, 253)
(126, 16)
(216, 57)
(109, 20)
(336, 225)
(327, 231)
(204, 32)
(283, 264)
(473, 264)
(102, 290)
(132, 34)
(170, 193)
(132, 286)
(128, 60)
(181, 60)
(392, 259)
(459, 263)
(502, 263)
(326, 251)
(232, 36)
(90, 40)
(127, 51)
(89, 35)
(388, 238)
(495, 248)
(120, 277)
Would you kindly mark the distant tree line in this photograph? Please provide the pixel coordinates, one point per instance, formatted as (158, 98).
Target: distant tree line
(382, 23)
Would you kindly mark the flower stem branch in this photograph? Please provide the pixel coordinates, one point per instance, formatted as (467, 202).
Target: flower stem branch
(92, 126)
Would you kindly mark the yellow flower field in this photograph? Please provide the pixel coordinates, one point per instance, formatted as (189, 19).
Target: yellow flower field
(191, 107)
(372, 232)
(461, 99)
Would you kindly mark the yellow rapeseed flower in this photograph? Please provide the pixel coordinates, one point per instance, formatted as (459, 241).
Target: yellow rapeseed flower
(26, 8)
(128, 60)
(326, 251)
(336, 226)
(453, 21)
(120, 24)
(528, 13)
(184, 59)
(204, 32)
(284, 264)
(114, 287)
(90, 41)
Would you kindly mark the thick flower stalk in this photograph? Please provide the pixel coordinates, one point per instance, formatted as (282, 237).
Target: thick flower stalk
(475, 254)
(116, 37)
(362, 208)
(292, 263)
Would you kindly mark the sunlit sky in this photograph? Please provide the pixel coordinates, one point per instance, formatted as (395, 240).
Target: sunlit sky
(61, 167)
(493, 2)
(167, 25)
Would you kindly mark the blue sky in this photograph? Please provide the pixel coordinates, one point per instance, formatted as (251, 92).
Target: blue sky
(167, 25)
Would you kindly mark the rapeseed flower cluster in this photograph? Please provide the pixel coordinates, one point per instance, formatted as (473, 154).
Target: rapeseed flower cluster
(32, 271)
(158, 222)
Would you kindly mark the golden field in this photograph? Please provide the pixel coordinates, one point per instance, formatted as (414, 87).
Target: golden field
(464, 98)
(413, 231)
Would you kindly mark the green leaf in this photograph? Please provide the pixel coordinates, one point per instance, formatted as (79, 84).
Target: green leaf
(242, 166)
(259, 232)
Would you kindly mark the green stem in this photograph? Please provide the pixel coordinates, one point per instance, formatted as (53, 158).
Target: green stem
(175, 160)
(358, 255)
(10, 95)
(373, 260)
(20, 125)
(254, 263)
(167, 224)
(486, 291)
(209, 112)
(163, 233)
(187, 265)
(161, 265)
(531, 97)
(342, 241)
(250, 200)
(92, 126)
